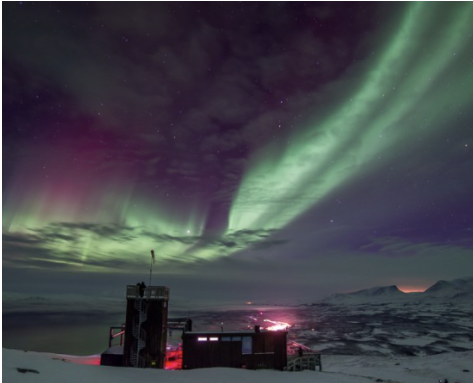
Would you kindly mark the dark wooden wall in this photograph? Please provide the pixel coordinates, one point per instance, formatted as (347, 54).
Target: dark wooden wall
(268, 351)
(156, 339)
(130, 314)
(156, 335)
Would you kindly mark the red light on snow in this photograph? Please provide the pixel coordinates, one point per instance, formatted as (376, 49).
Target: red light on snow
(277, 326)
(174, 359)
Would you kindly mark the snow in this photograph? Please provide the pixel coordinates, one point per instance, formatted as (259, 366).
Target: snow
(375, 330)
(54, 368)
(458, 290)
(407, 341)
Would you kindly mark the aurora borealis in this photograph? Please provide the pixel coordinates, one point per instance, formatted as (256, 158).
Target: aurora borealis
(326, 145)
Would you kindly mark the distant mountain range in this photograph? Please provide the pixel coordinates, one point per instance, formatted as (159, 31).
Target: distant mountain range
(458, 290)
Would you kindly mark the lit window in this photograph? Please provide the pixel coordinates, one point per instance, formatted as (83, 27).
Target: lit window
(213, 338)
(247, 345)
(202, 339)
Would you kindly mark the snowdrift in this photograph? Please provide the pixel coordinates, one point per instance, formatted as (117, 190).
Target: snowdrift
(23, 366)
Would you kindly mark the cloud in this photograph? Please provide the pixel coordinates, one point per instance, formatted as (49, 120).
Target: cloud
(181, 133)
(20, 239)
(110, 231)
(401, 247)
(225, 244)
(69, 246)
(65, 246)
(249, 239)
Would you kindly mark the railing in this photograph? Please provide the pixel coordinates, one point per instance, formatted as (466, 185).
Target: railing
(138, 333)
(137, 360)
(134, 358)
(141, 307)
(114, 335)
(305, 362)
(150, 292)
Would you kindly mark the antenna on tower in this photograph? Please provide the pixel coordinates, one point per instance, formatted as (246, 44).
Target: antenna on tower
(151, 267)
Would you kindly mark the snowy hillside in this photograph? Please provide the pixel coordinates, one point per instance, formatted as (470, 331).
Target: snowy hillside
(458, 289)
(21, 366)
(385, 294)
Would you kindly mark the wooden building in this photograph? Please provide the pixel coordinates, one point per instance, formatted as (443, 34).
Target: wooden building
(243, 349)
(145, 327)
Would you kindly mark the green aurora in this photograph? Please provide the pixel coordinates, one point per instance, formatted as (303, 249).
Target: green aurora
(408, 88)
(398, 99)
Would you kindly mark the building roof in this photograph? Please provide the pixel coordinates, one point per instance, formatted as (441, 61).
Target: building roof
(227, 333)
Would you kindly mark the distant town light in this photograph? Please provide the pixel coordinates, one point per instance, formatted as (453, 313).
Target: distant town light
(277, 326)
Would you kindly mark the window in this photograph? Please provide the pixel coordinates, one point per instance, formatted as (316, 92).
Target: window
(202, 339)
(247, 345)
(213, 338)
(230, 338)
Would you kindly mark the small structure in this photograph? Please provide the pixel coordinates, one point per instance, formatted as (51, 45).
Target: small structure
(301, 357)
(113, 355)
(143, 341)
(145, 327)
(305, 362)
(174, 347)
(244, 349)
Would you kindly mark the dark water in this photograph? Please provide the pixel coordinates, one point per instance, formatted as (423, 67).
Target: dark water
(62, 333)
(369, 329)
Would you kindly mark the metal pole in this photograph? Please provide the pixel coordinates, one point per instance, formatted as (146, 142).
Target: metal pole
(150, 273)
(151, 267)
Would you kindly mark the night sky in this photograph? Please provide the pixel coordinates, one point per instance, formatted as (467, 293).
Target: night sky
(263, 150)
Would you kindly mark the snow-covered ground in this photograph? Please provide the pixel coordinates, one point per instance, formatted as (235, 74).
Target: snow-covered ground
(380, 321)
(375, 335)
(53, 368)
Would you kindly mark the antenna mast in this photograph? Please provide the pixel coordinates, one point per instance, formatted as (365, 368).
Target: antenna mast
(151, 267)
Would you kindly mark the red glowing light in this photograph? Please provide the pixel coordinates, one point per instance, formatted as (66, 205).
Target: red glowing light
(174, 358)
(90, 359)
(411, 289)
(277, 326)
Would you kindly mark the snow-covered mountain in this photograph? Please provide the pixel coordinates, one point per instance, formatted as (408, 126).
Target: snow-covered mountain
(457, 290)
(374, 294)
